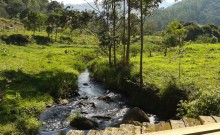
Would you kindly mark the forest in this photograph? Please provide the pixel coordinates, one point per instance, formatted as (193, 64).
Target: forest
(200, 11)
(63, 68)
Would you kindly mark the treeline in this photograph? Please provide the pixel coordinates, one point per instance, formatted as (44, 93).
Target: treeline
(20, 8)
(199, 11)
(190, 32)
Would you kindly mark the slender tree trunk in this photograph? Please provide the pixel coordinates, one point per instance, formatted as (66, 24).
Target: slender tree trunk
(114, 30)
(129, 33)
(142, 46)
(179, 58)
(124, 31)
(110, 55)
(165, 51)
(56, 34)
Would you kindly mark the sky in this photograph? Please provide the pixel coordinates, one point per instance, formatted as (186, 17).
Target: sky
(83, 1)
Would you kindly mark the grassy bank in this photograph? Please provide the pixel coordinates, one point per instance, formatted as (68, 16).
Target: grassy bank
(195, 93)
(33, 76)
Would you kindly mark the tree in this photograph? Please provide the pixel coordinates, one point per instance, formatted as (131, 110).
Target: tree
(54, 21)
(54, 6)
(14, 8)
(33, 20)
(146, 7)
(129, 33)
(177, 30)
(49, 30)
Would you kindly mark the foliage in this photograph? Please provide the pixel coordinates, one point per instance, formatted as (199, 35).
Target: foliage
(206, 103)
(42, 40)
(171, 96)
(17, 39)
(207, 39)
(28, 126)
(199, 11)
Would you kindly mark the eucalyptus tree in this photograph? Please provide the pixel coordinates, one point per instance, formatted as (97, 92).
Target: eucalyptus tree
(179, 32)
(111, 16)
(145, 7)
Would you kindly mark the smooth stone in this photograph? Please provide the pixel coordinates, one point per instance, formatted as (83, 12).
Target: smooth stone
(135, 114)
(83, 123)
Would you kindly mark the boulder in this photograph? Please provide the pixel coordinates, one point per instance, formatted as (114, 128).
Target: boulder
(82, 123)
(135, 114)
(84, 98)
(85, 84)
(92, 104)
(75, 94)
(102, 117)
(104, 98)
(63, 102)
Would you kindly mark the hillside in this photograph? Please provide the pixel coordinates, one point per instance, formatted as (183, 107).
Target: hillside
(86, 6)
(199, 11)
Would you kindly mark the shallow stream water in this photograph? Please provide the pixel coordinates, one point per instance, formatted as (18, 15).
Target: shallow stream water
(106, 113)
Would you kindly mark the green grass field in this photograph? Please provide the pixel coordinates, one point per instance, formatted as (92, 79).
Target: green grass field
(199, 75)
(32, 76)
(200, 64)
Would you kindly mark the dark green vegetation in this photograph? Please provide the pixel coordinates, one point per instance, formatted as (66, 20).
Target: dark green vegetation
(199, 11)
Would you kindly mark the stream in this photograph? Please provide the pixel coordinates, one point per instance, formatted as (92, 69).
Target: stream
(105, 113)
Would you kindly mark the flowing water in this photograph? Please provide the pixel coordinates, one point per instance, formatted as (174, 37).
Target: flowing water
(106, 113)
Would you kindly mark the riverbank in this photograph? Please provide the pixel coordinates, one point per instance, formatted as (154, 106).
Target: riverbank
(33, 77)
(194, 94)
(90, 103)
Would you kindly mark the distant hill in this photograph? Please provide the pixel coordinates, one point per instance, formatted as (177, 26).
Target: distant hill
(86, 6)
(199, 11)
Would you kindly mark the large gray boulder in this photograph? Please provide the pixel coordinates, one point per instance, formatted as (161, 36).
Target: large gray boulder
(135, 114)
(82, 123)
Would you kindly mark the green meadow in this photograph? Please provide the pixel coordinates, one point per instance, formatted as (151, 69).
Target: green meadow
(33, 76)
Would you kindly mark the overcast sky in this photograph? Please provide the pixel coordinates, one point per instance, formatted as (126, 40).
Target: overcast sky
(83, 1)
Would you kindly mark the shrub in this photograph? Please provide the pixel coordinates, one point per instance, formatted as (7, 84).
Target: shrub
(171, 41)
(42, 40)
(65, 39)
(207, 39)
(170, 98)
(28, 125)
(58, 84)
(206, 103)
(17, 39)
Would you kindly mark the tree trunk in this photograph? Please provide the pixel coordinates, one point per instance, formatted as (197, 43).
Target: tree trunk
(124, 31)
(179, 58)
(56, 34)
(110, 55)
(114, 30)
(165, 51)
(129, 33)
(142, 46)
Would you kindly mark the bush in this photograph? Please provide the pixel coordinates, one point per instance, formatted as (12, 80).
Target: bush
(170, 98)
(42, 40)
(207, 39)
(171, 41)
(58, 84)
(65, 39)
(206, 103)
(29, 126)
(17, 39)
